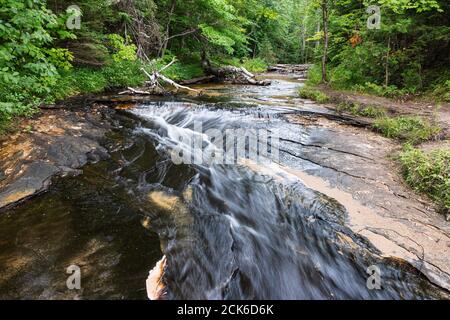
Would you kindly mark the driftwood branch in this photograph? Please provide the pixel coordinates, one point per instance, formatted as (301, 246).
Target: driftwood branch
(135, 91)
(176, 85)
(169, 65)
(153, 84)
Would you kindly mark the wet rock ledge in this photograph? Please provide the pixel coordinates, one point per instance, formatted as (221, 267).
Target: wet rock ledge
(55, 143)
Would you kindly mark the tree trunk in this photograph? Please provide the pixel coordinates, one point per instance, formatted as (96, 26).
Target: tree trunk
(303, 35)
(317, 31)
(325, 40)
(163, 49)
(386, 76)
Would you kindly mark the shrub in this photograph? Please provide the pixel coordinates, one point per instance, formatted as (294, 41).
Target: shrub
(256, 65)
(411, 78)
(355, 109)
(180, 70)
(78, 81)
(429, 173)
(411, 129)
(90, 80)
(122, 49)
(307, 92)
(314, 75)
(373, 112)
(373, 88)
(441, 91)
(123, 74)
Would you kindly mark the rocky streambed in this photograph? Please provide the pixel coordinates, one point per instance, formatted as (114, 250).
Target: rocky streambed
(95, 187)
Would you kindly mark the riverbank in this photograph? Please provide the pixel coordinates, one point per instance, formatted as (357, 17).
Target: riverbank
(25, 139)
(422, 126)
(54, 143)
(78, 82)
(432, 111)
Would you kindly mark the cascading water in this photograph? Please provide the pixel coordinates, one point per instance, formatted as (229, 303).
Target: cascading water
(247, 230)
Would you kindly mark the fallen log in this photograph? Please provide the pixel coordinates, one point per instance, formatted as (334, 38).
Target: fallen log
(176, 85)
(235, 75)
(199, 80)
(153, 84)
(289, 68)
(231, 74)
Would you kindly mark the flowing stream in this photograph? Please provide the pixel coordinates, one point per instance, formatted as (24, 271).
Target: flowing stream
(242, 231)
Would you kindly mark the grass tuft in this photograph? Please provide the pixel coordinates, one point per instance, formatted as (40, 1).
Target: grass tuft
(357, 110)
(307, 92)
(428, 173)
(412, 129)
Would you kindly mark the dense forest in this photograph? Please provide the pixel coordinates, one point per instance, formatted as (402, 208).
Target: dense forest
(54, 49)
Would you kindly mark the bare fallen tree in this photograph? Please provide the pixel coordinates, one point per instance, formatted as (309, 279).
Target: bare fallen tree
(231, 74)
(155, 77)
(226, 74)
(238, 75)
(290, 68)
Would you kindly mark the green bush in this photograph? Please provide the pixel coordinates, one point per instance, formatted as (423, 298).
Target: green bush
(307, 92)
(356, 66)
(357, 110)
(352, 108)
(441, 91)
(428, 173)
(411, 129)
(28, 60)
(124, 74)
(180, 70)
(373, 112)
(122, 49)
(79, 81)
(89, 80)
(256, 65)
(412, 80)
(375, 89)
(341, 77)
(314, 75)
(10, 110)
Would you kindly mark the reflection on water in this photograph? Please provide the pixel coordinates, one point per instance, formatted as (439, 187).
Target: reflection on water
(228, 231)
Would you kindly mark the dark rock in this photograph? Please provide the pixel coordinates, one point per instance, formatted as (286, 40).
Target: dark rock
(62, 142)
(34, 179)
